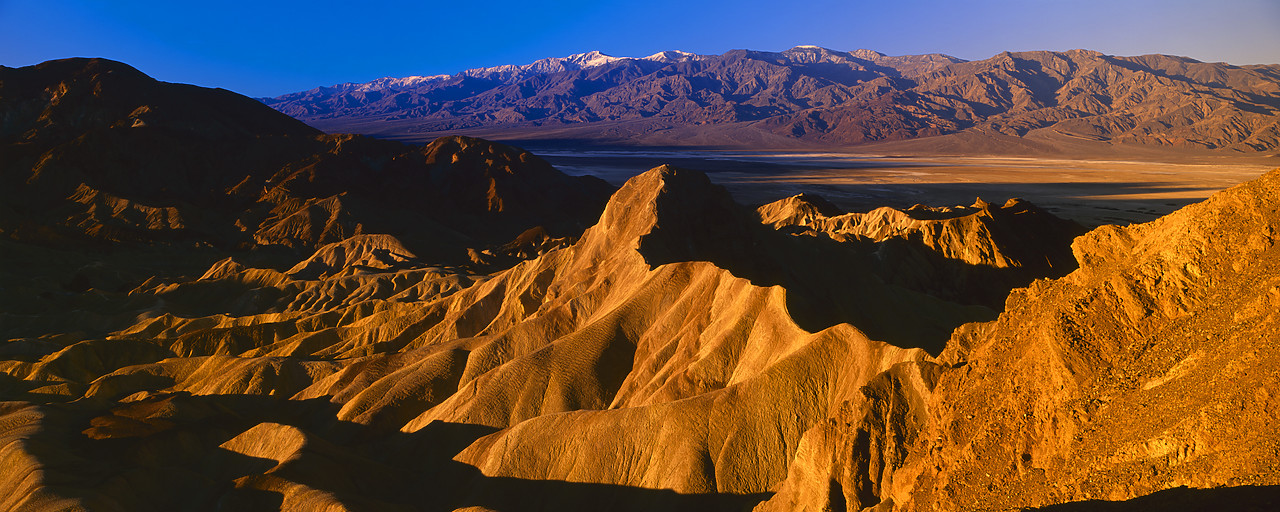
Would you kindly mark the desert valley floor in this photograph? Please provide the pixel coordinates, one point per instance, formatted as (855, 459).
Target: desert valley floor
(1092, 192)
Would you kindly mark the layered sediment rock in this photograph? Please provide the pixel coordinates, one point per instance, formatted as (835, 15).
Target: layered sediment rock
(1147, 369)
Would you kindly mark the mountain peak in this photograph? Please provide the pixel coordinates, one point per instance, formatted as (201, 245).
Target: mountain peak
(391, 83)
(863, 53)
(672, 56)
(671, 214)
(592, 58)
(832, 97)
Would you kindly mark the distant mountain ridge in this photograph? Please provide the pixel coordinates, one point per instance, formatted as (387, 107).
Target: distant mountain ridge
(351, 93)
(810, 95)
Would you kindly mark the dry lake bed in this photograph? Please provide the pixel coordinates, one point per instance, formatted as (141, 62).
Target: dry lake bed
(1092, 192)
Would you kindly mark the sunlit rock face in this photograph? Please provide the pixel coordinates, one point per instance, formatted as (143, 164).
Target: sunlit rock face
(337, 322)
(1144, 371)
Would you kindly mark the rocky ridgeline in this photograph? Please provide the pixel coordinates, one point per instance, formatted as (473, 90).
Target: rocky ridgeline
(678, 351)
(815, 96)
(96, 152)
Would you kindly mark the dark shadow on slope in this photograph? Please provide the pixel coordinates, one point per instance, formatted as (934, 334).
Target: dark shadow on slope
(1026, 243)
(439, 483)
(520, 495)
(1245, 498)
(170, 458)
(827, 282)
(249, 499)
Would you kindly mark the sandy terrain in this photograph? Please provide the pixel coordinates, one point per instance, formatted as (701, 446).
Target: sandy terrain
(1092, 192)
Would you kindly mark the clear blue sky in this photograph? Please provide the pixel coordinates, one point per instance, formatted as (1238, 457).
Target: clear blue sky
(267, 48)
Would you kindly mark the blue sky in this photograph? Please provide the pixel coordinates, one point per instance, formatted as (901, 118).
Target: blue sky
(266, 48)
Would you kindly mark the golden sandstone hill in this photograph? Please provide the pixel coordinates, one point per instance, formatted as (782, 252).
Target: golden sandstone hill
(680, 353)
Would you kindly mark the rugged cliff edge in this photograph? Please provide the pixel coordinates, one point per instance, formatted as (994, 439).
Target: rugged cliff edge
(654, 343)
(969, 254)
(1150, 368)
(675, 351)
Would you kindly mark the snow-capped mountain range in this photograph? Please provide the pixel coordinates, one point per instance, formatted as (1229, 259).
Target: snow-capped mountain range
(505, 72)
(818, 96)
(573, 62)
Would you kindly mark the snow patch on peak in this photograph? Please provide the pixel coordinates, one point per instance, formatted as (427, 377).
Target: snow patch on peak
(505, 73)
(393, 83)
(592, 59)
(672, 56)
(387, 84)
(811, 53)
(576, 61)
(542, 66)
(809, 48)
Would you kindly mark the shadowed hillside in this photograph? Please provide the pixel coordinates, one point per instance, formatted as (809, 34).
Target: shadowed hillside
(95, 151)
(649, 324)
(223, 310)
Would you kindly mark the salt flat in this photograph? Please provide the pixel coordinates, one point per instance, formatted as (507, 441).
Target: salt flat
(1092, 192)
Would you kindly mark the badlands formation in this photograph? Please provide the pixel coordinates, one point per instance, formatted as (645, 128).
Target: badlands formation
(210, 306)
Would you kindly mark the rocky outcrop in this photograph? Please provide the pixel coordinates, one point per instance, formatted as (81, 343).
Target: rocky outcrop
(970, 254)
(653, 335)
(107, 155)
(679, 354)
(1145, 370)
(632, 369)
(1141, 371)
